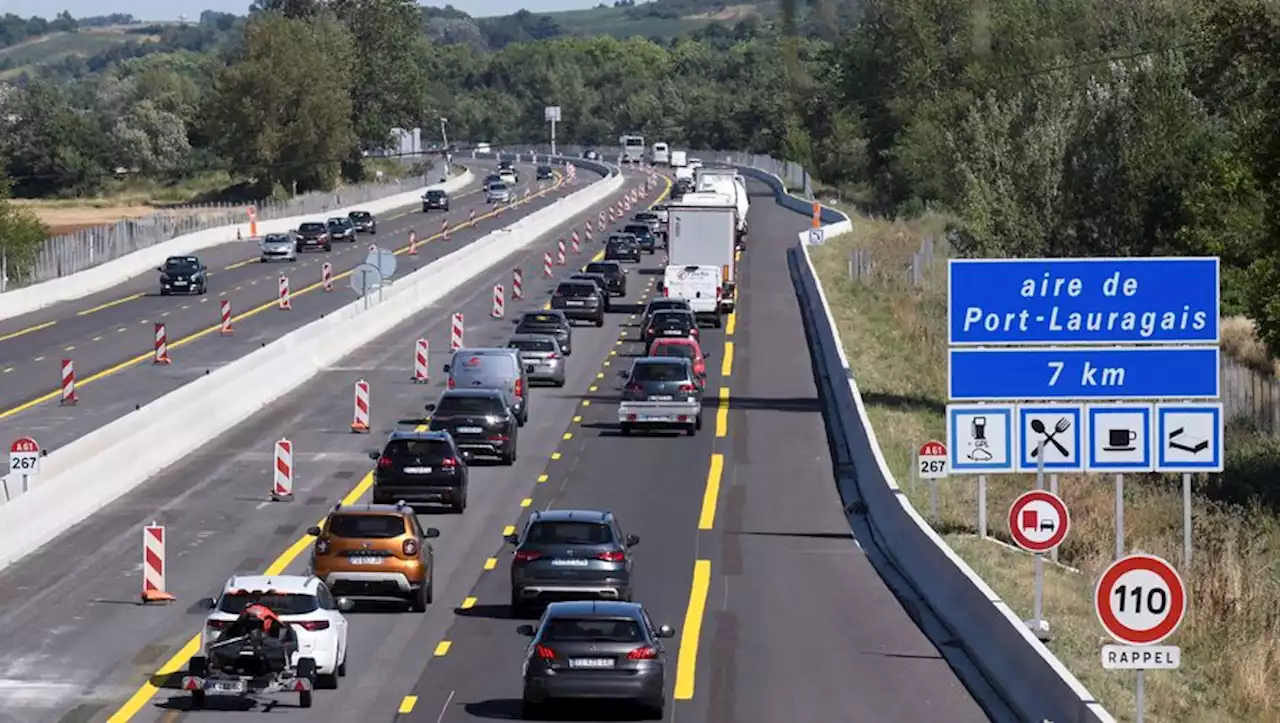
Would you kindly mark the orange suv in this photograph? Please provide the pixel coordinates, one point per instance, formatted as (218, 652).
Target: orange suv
(377, 552)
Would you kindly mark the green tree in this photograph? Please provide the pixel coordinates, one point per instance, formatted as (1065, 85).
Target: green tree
(21, 234)
(50, 147)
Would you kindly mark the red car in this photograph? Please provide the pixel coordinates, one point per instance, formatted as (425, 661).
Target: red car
(684, 348)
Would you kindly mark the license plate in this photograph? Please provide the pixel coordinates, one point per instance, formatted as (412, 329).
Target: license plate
(365, 560)
(591, 662)
(417, 470)
(661, 398)
(569, 562)
(225, 686)
(659, 418)
(179, 283)
(469, 430)
(574, 303)
(673, 332)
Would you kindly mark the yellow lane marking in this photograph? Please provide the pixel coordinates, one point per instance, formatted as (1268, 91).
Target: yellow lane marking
(69, 348)
(491, 563)
(39, 359)
(406, 704)
(555, 455)
(586, 402)
(726, 365)
(468, 603)
(110, 304)
(508, 530)
(526, 502)
(28, 330)
(731, 324)
(707, 520)
(687, 662)
(97, 338)
(568, 435)
(443, 648)
(722, 413)
(543, 477)
(240, 264)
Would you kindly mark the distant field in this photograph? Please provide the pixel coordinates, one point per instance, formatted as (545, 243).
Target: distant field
(57, 46)
(614, 21)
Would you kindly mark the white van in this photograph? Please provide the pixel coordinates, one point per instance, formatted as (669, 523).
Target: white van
(679, 159)
(661, 154)
(700, 286)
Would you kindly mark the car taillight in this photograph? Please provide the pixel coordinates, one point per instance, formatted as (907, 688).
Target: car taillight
(666, 291)
(314, 625)
(553, 355)
(527, 555)
(384, 462)
(451, 382)
(544, 652)
(410, 547)
(719, 292)
(634, 387)
(216, 624)
(448, 463)
(520, 388)
(498, 438)
(653, 330)
(612, 556)
(693, 331)
(646, 652)
(322, 547)
(686, 387)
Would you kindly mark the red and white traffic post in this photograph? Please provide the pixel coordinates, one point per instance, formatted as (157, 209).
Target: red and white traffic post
(444, 228)
(601, 220)
(471, 217)
(24, 460)
(560, 255)
(1140, 600)
(421, 356)
(286, 303)
(227, 329)
(413, 243)
(162, 346)
(456, 332)
(931, 464)
(69, 396)
(546, 265)
(360, 415)
(282, 471)
(499, 302)
(1038, 523)
(154, 564)
(577, 247)
(517, 284)
(326, 276)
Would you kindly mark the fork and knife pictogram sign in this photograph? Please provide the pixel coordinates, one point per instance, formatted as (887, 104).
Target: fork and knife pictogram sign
(1038, 427)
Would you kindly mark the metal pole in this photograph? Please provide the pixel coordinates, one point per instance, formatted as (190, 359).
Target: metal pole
(25, 484)
(1186, 519)
(933, 499)
(4, 271)
(913, 473)
(1039, 607)
(982, 505)
(1119, 516)
(553, 136)
(1053, 487)
(1142, 694)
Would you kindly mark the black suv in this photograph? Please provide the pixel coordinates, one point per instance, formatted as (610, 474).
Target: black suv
(544, 173)
(183, 275)
(622, 248)
(579, 300)
(420, 467)
(644, 235)
(313, 235)
(670, 323)
(479, 421)
(550, 323)
(614, 275)
(364, 222)
(600, 281)
(435, 198)
(570, 555)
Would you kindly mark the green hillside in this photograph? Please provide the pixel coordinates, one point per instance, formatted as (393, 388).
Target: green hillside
(56, 47)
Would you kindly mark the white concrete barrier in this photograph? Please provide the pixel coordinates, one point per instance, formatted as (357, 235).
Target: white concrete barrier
(115, 459)
(117, 271)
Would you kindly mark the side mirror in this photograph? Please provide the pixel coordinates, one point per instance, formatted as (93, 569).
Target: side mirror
(431, 533)
(706, 355)
(666, 631)
(446, 368)
(512, 539)
(526, 630)
(346, 604)
(206, 603)
(632, 540)
(313, 531)
(160, 269)
(430, 407)
(623, 374)
(375, 455)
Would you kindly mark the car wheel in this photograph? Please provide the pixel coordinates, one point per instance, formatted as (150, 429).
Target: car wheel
(719, 322)
(418, 602)
(430, 597)
(163, 292)
(600, 321)
(691, 431)
(328, 247)
(327, 681)
(625, 429)
(460, 506)
(653, 710)
(342, 667)
(530, 710)
(557, 382)
(697, 423)
(197, 699)
(519, 609)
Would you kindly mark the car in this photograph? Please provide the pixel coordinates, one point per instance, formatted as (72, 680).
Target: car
(254, 657)
(600, 281)
(594, 650)
(660, 304)
(303, 602)
(615, 276)
(341, 229)
(435, 198)
(543, 360)
(591, 154)
(497, 368)
(695, 163)
(663, 212)
(498, 193)
(508, 176)
(421, 468)
(569, 555)
(183, 275)
(491, 179)
(670, 323)
(506, 166)
(650, 219)
(684, 349)
(544, 173)
(621, 247)
(364, 222)
(644, 236)
(660, 393)
(579, 301)
(480, 422)
(552, 323)
(313, 235)
(375, 551)
(278, 247)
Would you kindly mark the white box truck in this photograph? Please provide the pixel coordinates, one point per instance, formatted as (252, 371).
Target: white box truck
(661, 154)
(701, 254)
(679, 159)
(730, 184)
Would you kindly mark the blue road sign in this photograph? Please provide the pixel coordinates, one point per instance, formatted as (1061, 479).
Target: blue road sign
(980, 438)
(1083, 373)
(1054, 430)
(1189, 437)
(1119, 438)
(1083, 301)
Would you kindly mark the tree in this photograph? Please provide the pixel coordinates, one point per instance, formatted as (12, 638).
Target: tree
(21, 234)
(50, 147)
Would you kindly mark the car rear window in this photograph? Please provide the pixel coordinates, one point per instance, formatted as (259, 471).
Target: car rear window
(637, 229)
(435, 194)
(598, 268)
(659, 373)
(646, 217)
(310, 227)
(569, 533)
(683, 351)
(617, 240)
(361, 215)
(280, 603)
(457, 405)
(671, 318)
(533, 345)
(592, 630)
(434, 449)
(585, 288)
(552, 319)
(378, 527)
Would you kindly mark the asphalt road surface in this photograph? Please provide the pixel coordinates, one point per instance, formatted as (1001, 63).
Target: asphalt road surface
(112, 343)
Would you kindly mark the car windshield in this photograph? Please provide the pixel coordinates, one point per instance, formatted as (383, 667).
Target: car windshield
(646, 217)
(361, 215)
(180, 264)
(552, 319)
(370, 527)
(637, 230)
(458, 405)
(671, 318)
(497, 187)
(544, 169)
(435, 194)
(418, 449)
(311, 228)
(599, 268)
(276, 238)
(337, 222)
(682, 351)
(280, 603)
(576, 291)
(569, 533)
(532, 344)
(592, 630)
(659, 373)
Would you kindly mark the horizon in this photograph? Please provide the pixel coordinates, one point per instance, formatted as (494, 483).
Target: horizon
(173, 10)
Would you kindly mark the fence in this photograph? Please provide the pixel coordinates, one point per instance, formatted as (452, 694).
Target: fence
(63, 255)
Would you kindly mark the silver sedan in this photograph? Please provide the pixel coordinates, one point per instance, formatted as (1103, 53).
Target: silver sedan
(279, 247)
(542, 358)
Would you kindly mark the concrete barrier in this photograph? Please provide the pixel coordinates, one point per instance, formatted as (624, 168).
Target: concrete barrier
(109, 462)
(119, 270)
(1026, 674)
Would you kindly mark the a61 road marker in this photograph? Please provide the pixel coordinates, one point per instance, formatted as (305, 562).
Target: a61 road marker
(932, 460)
(1140, 600)
(24, 457)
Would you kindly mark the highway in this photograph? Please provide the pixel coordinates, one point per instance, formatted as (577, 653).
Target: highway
(112, 342)
(780, 616)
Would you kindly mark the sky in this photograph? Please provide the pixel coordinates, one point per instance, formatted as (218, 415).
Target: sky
(171, 9)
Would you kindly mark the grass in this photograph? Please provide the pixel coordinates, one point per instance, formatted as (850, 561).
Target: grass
(55, 47)
(616, 22)
(1231, 637)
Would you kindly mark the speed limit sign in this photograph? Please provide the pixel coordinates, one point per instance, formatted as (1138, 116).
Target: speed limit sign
(932, 460)
(24, 457)
(1140, 599)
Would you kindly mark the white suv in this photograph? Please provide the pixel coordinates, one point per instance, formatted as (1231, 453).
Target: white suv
(303, 602)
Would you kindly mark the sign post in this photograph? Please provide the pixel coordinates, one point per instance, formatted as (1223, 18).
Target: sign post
(551, 114)
(24, 460)
(1038, 523)
(1140, 600)
(931, 464)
